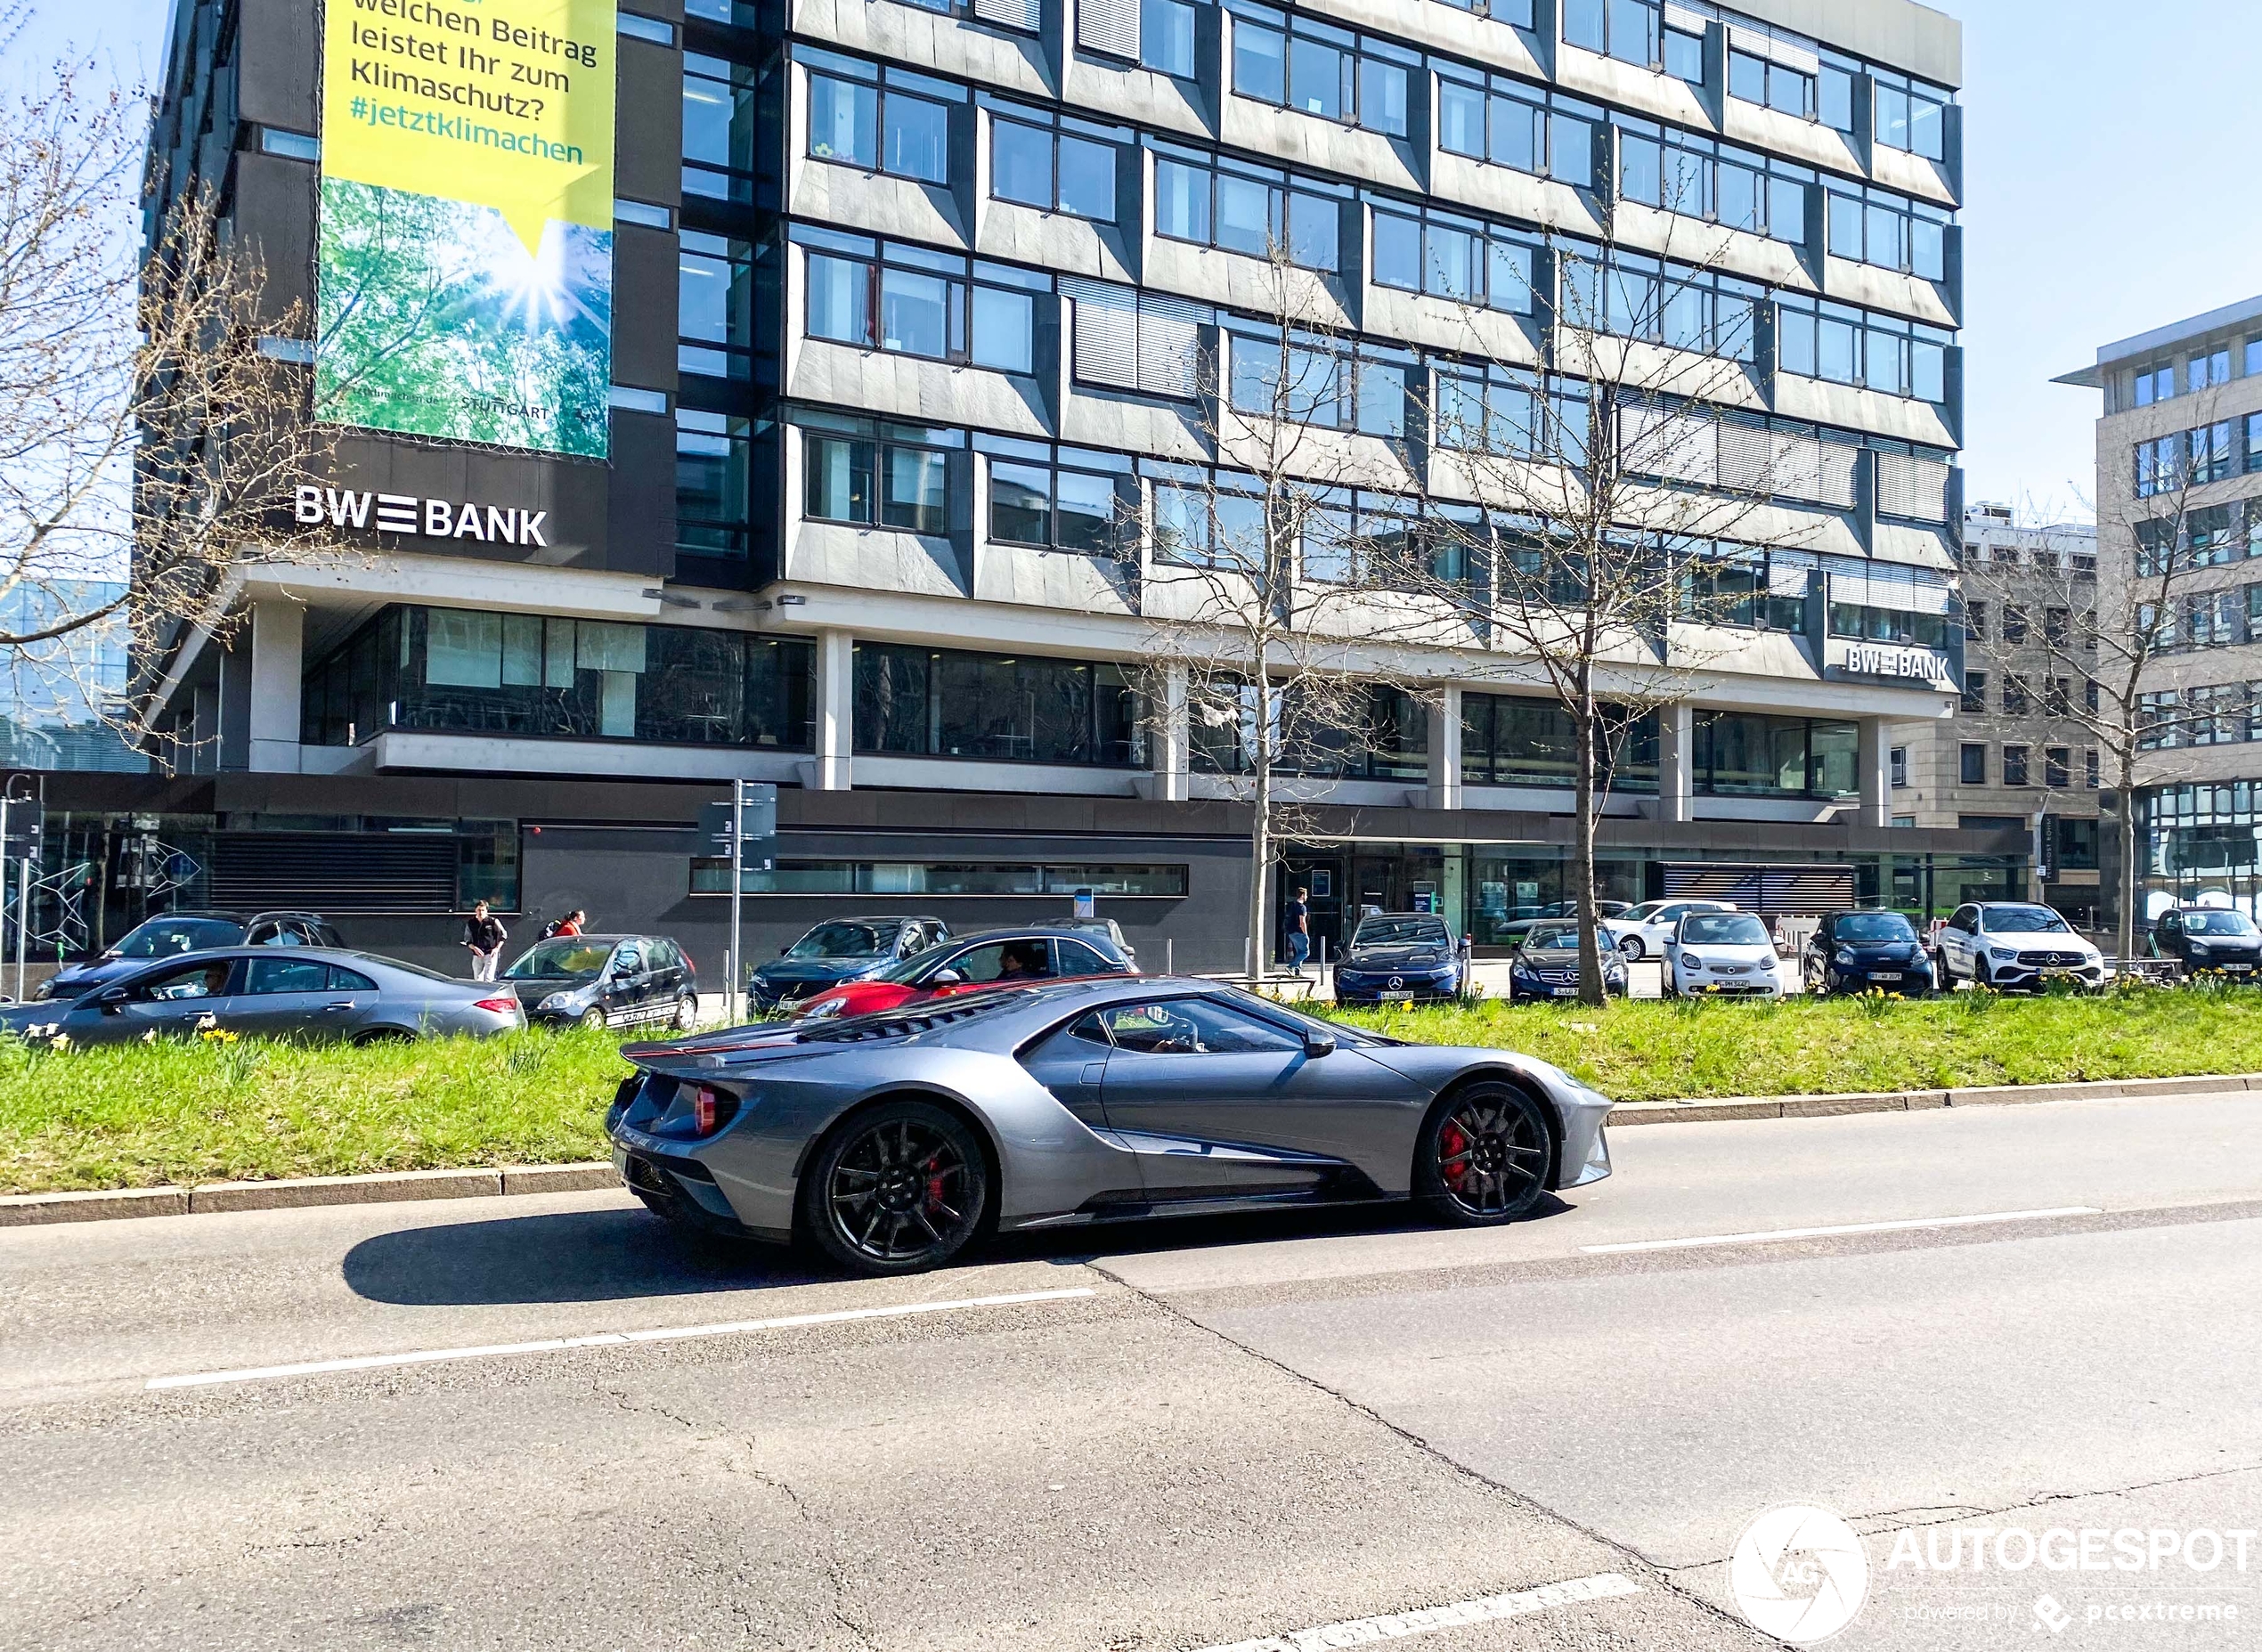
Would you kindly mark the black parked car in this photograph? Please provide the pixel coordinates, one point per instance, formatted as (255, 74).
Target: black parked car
(1859, 951)
(836, 950)
(178, 932)
(2210, 940)
(1399, 954)
(607, 981)
(1546, 963)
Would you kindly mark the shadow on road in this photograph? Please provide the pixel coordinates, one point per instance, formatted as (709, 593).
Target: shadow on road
(620, 1255)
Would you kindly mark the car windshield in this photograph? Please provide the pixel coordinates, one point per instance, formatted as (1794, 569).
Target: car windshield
(2218, 924)
(845, 940)
(163, 937)
(566, 958)
(1860, 927)
(1402, 932)
(2024, 921)
(1643, 913)
(1723, 929)
(1346, 1036)
(1552, 938)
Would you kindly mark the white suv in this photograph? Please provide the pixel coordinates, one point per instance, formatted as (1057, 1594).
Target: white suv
(2012, 945)
(1644, 932)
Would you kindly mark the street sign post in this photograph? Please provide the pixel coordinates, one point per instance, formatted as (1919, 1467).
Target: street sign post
(744, 829)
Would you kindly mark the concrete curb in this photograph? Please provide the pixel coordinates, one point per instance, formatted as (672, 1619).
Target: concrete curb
(1719, 1110)
(35, 1210)
(212, 1198)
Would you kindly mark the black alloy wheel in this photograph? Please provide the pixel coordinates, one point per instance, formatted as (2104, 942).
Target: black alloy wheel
(899, 1189)
(1632, 946)
(1483, 1156)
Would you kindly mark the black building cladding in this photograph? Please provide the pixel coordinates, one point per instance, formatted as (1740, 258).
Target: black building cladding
(240, 116)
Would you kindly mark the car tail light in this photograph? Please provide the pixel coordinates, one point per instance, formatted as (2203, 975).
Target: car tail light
(498, 1007)
(702, 1112)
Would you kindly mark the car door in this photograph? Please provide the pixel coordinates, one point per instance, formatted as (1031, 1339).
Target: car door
(1072, 1064)
(1956, 938)
(2168, 938)
(284, 997)
(178, 1002)
(1220, 1101)
(627, 977)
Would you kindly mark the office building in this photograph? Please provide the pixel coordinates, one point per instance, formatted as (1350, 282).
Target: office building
(2179, 452)
(912, 309)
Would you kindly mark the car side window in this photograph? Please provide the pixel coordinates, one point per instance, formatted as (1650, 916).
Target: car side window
(2171, 922)
(191, 980)
(1091, 1029)
(271, 975)
(628, 961)
(1193, 1027)
(342, 980)
(1078, 960)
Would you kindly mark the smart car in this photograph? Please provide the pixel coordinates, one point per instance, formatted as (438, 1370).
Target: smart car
(1644, 930)
(1723, 952)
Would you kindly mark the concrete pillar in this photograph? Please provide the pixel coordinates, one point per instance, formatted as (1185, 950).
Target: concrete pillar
(1445, 752)
(1875, 761)
(833, 769)
(1171, 751)
(276, 637)
(1676, 762)
(232, 755)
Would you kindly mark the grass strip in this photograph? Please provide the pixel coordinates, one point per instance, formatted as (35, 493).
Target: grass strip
(143, 1115)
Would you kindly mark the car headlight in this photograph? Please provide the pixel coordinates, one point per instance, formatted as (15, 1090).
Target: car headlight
(557, 1001)
(1844, 958)
(824, 1009)
(2199, 948)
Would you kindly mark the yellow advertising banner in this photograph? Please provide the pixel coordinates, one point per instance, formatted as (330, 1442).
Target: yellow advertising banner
(467, 181)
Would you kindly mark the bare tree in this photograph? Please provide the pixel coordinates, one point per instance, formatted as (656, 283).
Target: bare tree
(2149, 599)
(1271, 602)
(1611, 481)
(149, 443)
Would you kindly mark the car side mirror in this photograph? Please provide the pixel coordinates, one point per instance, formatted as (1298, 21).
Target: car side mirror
(110, 1002)
(947, 978)
(1318, 1043)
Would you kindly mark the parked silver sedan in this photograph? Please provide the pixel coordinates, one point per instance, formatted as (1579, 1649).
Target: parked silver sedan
(312, 994)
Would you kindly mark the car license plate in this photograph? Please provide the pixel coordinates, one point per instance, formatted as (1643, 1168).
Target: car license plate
(1565, 992)
(1400, 996)
(2236, 969)
(1884, 974)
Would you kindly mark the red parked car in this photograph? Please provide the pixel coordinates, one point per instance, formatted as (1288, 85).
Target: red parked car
(997, 957)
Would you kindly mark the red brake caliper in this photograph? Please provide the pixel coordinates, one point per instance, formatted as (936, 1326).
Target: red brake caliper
(1452, 1144)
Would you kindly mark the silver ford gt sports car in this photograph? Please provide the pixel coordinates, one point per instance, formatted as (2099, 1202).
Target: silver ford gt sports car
(890, 1141)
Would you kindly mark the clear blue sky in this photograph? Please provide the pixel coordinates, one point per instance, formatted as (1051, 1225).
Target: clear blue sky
(2107, 152)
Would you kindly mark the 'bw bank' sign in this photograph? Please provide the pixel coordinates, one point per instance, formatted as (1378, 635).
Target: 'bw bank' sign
(1870, 659)
(426, 518)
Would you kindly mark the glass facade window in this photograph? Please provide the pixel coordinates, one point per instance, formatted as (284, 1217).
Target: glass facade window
(718, 128)
(1632, 297)
(1849, 347)
(1972, 764)
(1316, 70)
(1313, 384)
(1897, 626)
(941, 703)
(1512, 740)
(1912, 117)
(715, 305)
(887, 482)
(920, 303)
(1747, 755)
(711, 876)
(1069, 501)
(1247, 209)
(713, 480)
(1380, 734)
(1774, 85)
(1876, 227)
(892, 128)
(1693, 176)
(525, 675)
(1484, 266)
(1508, 123)
(1054, 171)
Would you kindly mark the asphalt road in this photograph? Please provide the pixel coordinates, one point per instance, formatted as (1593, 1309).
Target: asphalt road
(1183, 1437)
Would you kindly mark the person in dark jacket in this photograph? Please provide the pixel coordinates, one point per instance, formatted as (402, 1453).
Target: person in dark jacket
(484, 936)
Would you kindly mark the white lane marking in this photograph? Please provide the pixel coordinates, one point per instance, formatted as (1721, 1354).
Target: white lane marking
(609, 1338)
(1848, 1227)
(1429, 1619)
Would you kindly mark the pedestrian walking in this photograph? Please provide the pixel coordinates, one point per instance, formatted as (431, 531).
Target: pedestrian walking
(484, 936)
(570, 927)
(1300, 930)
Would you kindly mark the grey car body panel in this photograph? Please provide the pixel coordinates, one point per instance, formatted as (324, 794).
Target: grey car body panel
(1302, 1127)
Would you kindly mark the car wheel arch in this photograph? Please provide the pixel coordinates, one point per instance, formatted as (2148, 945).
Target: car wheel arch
(993, 1162)
(1515, 1080)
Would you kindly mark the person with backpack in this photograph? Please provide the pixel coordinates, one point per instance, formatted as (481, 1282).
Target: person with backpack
(570, 927)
